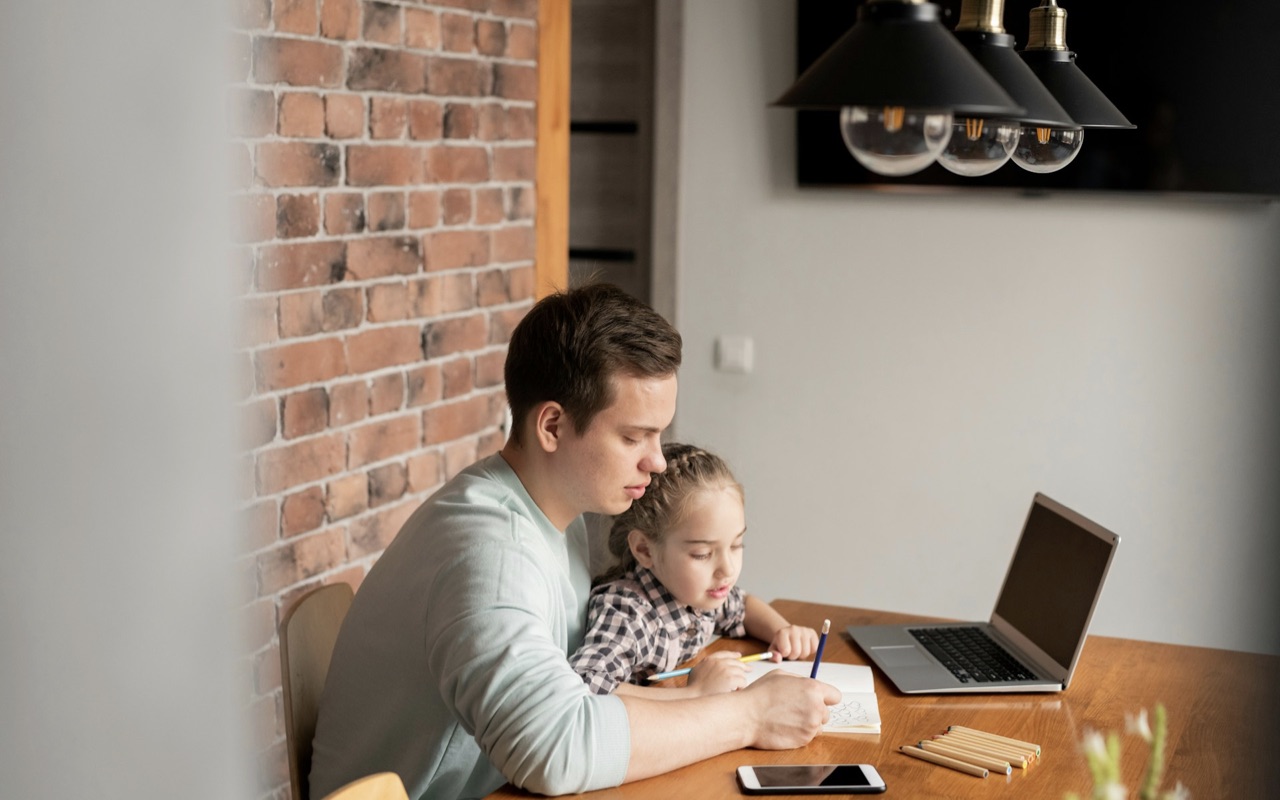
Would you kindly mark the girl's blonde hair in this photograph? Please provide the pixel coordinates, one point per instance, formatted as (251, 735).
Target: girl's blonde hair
(689, 470)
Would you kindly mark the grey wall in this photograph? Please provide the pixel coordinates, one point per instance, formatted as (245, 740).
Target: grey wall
(925, 363)
(116, 446)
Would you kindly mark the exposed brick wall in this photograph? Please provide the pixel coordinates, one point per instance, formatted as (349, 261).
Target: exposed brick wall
(383, 157)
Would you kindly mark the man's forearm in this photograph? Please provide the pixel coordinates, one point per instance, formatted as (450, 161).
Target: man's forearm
(666, 736)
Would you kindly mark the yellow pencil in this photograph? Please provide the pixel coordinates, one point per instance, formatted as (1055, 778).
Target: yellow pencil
(675, 673)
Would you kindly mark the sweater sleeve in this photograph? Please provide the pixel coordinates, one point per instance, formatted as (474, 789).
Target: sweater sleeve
(501, 671)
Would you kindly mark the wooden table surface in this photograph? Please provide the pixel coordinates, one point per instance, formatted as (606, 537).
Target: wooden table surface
(1221, 706)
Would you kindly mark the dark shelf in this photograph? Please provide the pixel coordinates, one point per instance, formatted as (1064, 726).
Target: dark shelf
(601, 254)
(613, 127)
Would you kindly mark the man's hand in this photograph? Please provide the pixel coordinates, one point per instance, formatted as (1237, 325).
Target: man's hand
(791, 710)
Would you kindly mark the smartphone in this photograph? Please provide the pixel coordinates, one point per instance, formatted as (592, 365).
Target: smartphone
(810, 779)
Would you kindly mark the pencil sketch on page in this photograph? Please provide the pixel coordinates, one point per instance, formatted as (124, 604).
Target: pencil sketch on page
(849, 712)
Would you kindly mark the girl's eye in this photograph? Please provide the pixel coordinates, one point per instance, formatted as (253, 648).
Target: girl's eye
(739, 546)
(701, 556)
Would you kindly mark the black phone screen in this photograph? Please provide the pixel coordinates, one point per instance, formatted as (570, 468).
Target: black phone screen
(811, 775)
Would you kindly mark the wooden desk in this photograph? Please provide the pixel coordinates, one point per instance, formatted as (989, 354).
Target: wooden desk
(1222, 707)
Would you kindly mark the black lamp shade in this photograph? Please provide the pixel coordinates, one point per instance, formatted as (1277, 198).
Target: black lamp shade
(899, 54)
(1084, 101)
(994, 51)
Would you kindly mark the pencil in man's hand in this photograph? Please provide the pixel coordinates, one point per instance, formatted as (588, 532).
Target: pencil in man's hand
(822, 642)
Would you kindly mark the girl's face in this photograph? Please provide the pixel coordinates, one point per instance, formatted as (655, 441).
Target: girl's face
(700, 558)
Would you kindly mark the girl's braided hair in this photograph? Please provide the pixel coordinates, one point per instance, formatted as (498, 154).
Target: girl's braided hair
(689, 469)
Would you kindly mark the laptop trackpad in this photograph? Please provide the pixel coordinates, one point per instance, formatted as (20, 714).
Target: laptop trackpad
(904, 656)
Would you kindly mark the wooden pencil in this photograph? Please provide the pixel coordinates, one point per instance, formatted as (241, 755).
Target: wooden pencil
(1007, 740)
(944, 761)
(1029, 750)
(1014, 756)
(991, 762)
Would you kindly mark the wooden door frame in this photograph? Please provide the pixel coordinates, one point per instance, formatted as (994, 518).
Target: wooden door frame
(551, 225)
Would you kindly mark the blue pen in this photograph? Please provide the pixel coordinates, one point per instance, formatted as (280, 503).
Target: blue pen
(822, 642)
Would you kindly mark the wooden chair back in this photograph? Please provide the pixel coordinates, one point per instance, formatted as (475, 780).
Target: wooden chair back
(380, 786)
(308, 631)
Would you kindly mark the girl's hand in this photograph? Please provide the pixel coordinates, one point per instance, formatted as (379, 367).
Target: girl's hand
(795, 642)
(718, 672)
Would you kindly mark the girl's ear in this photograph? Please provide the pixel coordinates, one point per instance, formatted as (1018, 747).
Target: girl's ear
(641, 548)
(549, 423)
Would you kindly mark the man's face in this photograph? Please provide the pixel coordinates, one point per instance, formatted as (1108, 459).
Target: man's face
(608, 465)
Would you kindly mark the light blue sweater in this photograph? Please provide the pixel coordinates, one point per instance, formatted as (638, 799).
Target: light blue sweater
(451, 667)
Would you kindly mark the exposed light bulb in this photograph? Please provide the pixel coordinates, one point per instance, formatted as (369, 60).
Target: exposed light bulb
(1047, 149)
(979, 146)
(892, 140)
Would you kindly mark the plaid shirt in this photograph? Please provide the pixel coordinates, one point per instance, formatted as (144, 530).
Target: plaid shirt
(635, 628)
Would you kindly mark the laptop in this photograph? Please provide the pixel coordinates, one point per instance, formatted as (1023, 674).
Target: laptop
(1035, 634)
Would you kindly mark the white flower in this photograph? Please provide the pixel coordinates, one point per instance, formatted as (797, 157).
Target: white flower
(1094, 745)
(1179, 792)
(1138, 725)
(1114, 791)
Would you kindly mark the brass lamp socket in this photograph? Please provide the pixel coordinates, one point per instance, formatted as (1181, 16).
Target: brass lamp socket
(1048, 29)
(981, 15)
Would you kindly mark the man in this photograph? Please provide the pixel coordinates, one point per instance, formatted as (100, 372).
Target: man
(451, 667)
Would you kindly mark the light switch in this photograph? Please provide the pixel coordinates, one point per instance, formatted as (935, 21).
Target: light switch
(735, 354)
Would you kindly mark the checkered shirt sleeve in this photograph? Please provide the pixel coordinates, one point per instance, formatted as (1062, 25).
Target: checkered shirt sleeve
(617, 639)
(635, 628)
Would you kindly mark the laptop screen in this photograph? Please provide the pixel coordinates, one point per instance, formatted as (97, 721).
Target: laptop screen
(1054, 579)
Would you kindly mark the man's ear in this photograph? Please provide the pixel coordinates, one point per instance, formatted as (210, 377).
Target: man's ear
(641, 548)
(549, 424)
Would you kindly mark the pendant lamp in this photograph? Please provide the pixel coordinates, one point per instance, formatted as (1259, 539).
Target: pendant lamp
(898, 77)
(981, 143)
(1048, 148)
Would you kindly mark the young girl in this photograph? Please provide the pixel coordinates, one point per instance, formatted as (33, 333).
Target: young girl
(679, 552)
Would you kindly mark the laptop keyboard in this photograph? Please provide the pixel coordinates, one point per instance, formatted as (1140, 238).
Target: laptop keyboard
(971, 655)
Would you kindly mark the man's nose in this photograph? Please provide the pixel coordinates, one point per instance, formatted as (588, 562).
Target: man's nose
(655, 462)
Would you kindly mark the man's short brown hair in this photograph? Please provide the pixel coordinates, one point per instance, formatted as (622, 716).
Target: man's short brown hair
(571, 344)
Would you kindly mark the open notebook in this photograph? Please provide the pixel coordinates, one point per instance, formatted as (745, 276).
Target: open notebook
(857, 711)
